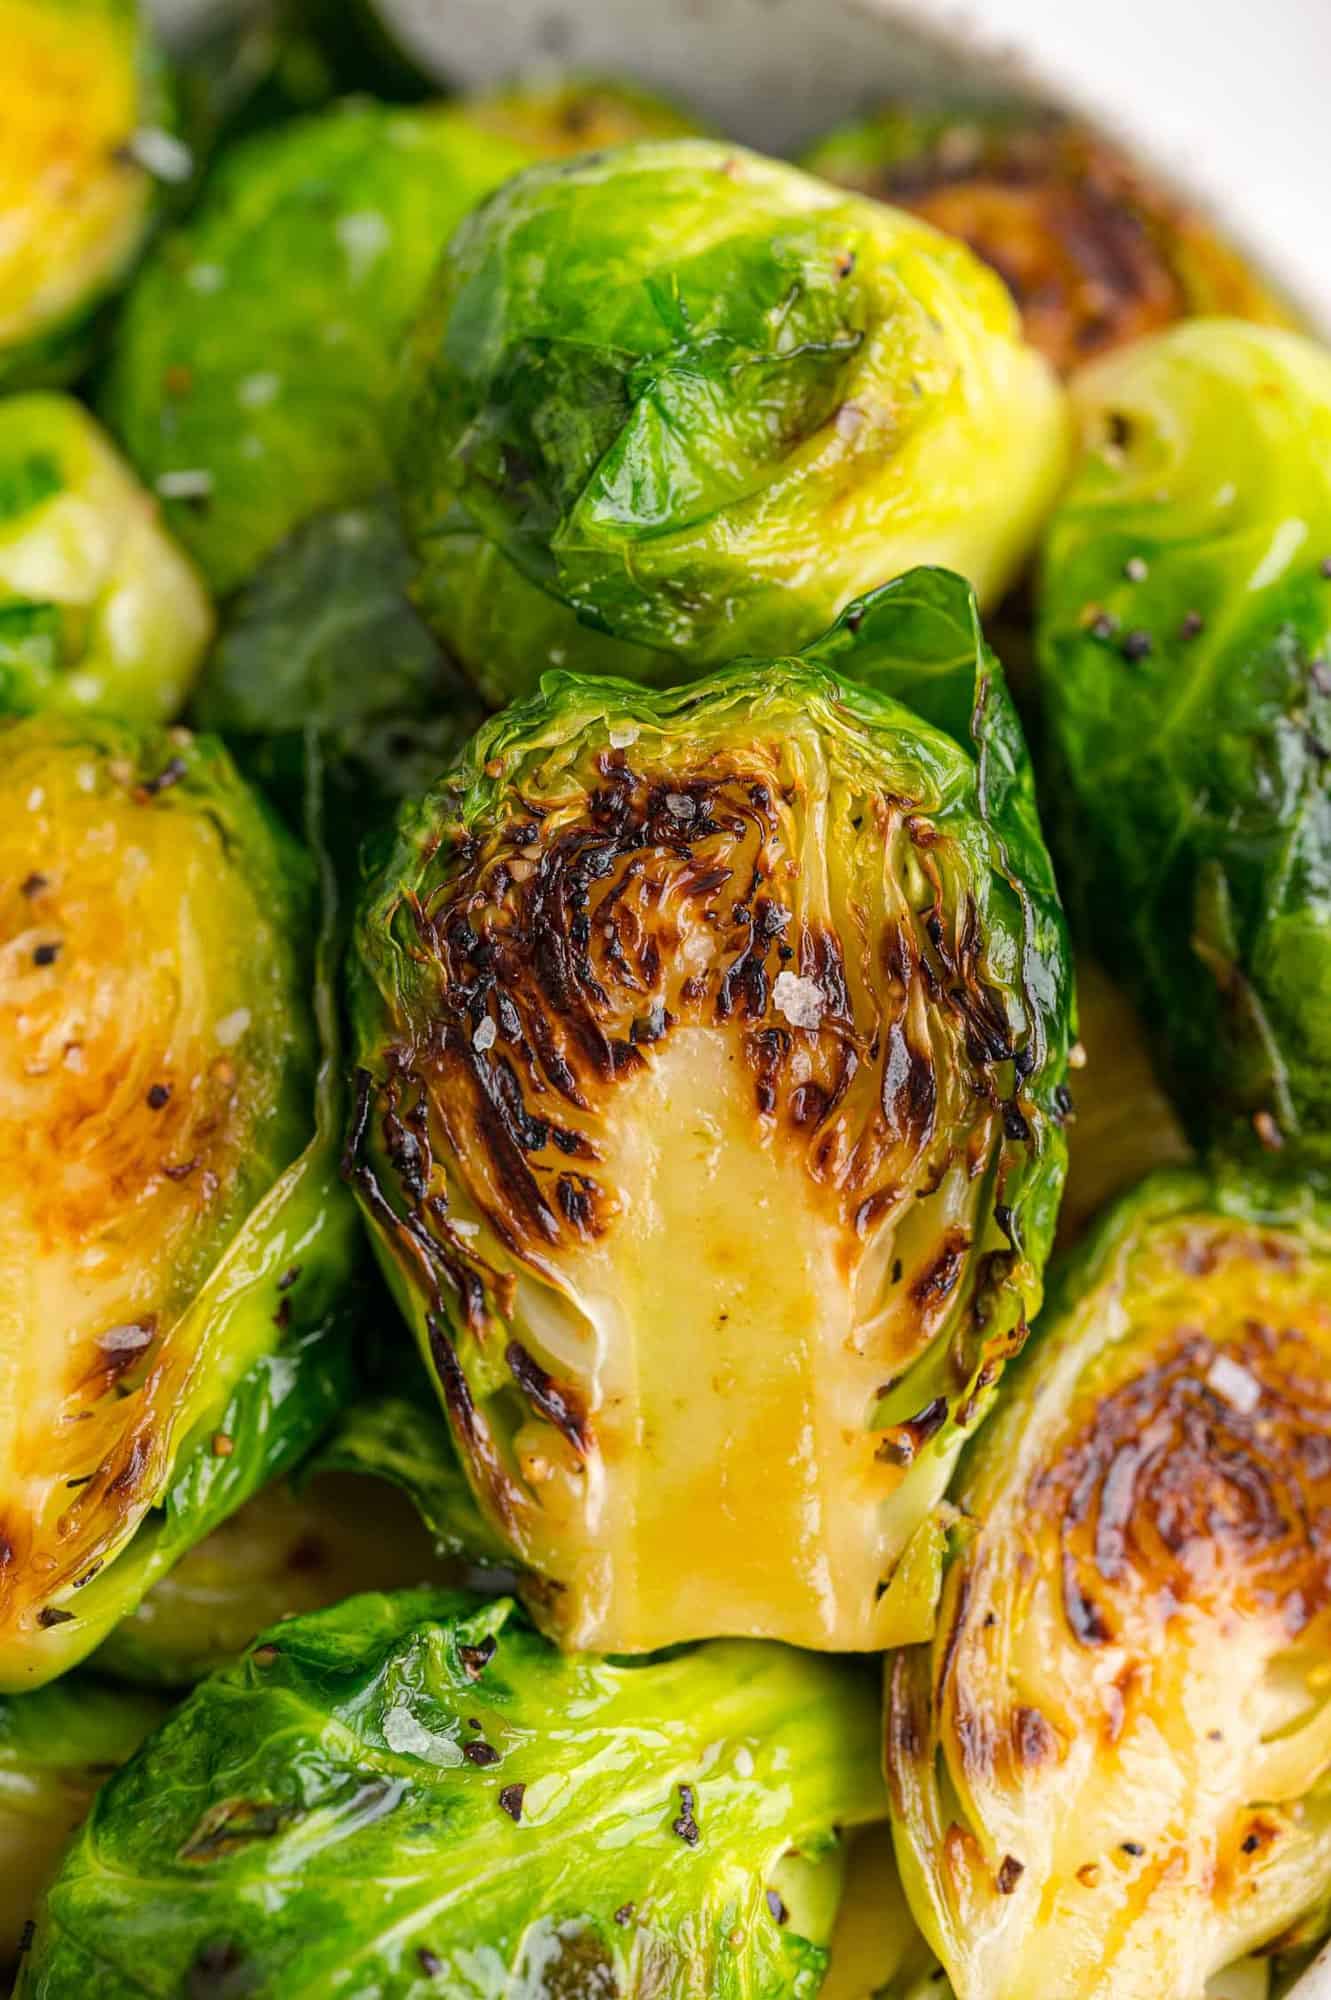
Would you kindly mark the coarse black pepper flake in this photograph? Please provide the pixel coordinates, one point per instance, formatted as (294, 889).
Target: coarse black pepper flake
(1103, 626)
(481, 1754)
(51, 1615)
(1133, 1847)
(625, 1914)
(32, 885)
(46, 954)
(510, 1800)
(1193, 625)
(777, 1907)
(1010, 1872)
(1138, 645)
(158, 1096)
(288, 1277)
(1251, 1842)
(686, 1826)
(475, 1659)
(1325, 566)
(429, 1962)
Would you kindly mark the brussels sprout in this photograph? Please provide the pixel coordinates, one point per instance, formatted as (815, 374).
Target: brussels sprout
(711, 1048)
(1185, 656)
(1109, 1767)
(876, 1951)
(578, 114)
(698, 401)
(259, 344)
(421, 1786)
(322, 650)
(56, 1747)
(1094, 251)
(98, 607)
(1124, 1123)
(285, 1552)
(173, 1263)
(87, 140)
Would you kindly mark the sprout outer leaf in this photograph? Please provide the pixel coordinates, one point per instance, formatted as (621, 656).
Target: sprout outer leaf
(475, 1810)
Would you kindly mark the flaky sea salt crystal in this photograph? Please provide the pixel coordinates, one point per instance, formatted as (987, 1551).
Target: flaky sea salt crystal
(800, 1000)
(484, 1037)
(1235, 1383)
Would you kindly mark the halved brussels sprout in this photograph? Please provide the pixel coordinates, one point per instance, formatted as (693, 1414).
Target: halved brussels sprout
(578, 114)
(323, 653)
(1110, 1768)
(1185, 655)
(1124, 1124)
(711, 1049)
(173, 1264)
(1095, 252)
(421, 1787)
(98, 607)
(698, 400)
(284, 1553)
(86, 139)
(260, 343)
(56, 1747)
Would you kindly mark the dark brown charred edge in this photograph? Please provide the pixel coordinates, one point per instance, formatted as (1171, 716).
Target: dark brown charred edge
(944, 1676)
(907, 1719)
(939, 1279)
(554, 1400)
(1033, 1737)
(902, 1443)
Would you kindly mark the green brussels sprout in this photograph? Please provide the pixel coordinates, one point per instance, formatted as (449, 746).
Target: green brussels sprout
(563, 115)
(1109, 1767)
(1095, 252)
(285, 1552)
(98, 607)
(176, 1242)
(419, 1787)
(259, 344)
(711, 1047)
(1184, 641)
(87, 141)
(698, 401)
(56, 1747)
(322, 649)
(1124, 1123)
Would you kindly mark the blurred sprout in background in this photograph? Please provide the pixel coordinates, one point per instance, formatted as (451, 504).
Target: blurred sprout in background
(1095, 251)
(87, 149)
(99, 609)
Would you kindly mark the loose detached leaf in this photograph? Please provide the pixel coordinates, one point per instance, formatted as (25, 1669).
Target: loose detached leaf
(416, 1796)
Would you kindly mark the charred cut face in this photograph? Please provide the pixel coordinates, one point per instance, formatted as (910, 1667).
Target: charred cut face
(142, 1039)
(693, 1129)
(1093, 254)
(1127, 1700)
